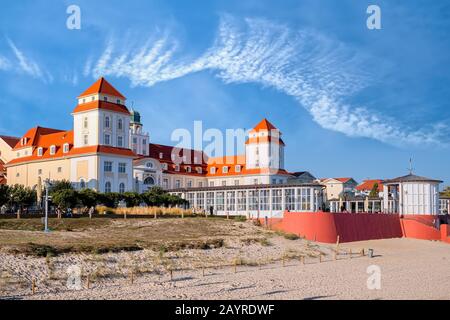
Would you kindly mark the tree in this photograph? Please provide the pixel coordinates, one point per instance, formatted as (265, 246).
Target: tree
(4, 194)
(446, 192)
(132, 199)
(88, 198)
(65, 199)
(154, 196)
(22, 196)
(110, 199)
(374, 192)
(60, 185)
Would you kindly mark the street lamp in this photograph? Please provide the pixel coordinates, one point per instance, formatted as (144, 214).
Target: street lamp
(47, 185)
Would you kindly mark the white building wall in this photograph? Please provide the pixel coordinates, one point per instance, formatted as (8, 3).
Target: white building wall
(114, 177)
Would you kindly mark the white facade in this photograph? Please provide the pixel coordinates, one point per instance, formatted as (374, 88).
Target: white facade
(412, 195)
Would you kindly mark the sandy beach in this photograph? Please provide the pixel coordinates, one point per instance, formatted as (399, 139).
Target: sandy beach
(410, 269)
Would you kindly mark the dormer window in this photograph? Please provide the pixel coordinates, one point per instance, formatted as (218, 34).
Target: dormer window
(212, 170)
(188, 169)
(199, 170)
(160, 155)
(118, 101)
(52, 150)
(66, 148)
(165, 166)
(105, 98)
(225, 169)
(40, 151)
(237, 168)
(93, 98)
(177, 168)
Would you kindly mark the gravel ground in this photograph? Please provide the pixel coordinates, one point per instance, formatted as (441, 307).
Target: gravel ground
(410, 269)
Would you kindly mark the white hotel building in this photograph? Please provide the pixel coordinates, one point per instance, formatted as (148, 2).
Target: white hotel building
(108, 150)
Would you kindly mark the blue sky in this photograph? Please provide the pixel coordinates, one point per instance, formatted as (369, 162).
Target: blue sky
(349, 101)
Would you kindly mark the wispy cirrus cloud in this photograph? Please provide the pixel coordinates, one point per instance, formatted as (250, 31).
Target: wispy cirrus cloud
(320, 73)
(27, 65)
(4, 63)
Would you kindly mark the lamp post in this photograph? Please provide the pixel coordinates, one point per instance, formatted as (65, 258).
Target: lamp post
(47, 185)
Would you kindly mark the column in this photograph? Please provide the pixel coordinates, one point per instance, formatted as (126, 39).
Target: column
(385, 199)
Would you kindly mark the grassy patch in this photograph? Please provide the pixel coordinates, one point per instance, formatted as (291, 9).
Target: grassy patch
(104, 235)
(36, 224)
(289, 236)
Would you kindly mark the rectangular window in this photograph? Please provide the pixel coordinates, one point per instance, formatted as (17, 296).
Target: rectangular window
(225, 169)
(107, 139)
(40, 152)
(213, 170)
(237, 168)
(224, 183)
(220, 198)
(85, 123)
(59, 169)
(107, 166)
(211, 183)
(144, 142)
(177, 184)
(40, 171)
(86, 140)
(236, 182)
(134, 140)
(166, 183)
(120, 141)
(52, 150)
(122, 167)
(66, 148)
(189, 184)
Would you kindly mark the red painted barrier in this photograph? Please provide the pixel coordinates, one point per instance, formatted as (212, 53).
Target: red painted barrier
(325, 227)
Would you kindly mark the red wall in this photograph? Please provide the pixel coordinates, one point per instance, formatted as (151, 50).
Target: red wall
(325, 226)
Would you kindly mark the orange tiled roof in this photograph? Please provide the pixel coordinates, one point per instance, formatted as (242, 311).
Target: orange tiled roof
(102, 86)
(196, 160)
(45, 138)
(264, 125)
(97, 104)
(343, 180)
(31, 136)
(367, 185)
(232, 162)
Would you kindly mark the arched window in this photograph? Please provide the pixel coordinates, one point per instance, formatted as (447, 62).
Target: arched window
(107, 187)
(82, 184)
(107, 122)
(122, 187)
(120, 124)
(149, 181)
(85, 123)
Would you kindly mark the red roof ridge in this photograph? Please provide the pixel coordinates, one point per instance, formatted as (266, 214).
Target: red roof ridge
(264, 124)
(102, 86)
